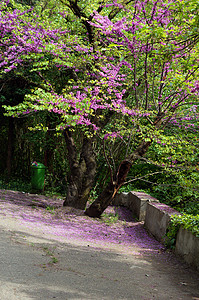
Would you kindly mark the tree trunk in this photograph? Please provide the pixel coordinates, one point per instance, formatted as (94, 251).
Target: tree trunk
(10, 146)
(89, 158)
(110, 191)
(49, 148)
(108, 194)
(82, 171)
(73, 197)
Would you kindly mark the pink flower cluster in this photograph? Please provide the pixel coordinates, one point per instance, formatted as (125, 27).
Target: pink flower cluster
(146, 46)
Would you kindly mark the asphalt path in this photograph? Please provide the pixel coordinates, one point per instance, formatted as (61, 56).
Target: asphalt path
(35, 265)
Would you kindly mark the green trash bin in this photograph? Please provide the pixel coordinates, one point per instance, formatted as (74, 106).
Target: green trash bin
(37, 175)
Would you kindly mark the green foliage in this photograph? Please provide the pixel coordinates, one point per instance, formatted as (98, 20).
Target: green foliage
(50, 209)
(110, 218)
(169, 172)
(178, 189)
(188, 222)
(15, 184)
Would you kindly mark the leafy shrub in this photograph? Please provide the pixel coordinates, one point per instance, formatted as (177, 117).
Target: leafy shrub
(15, 184)
(188, 222)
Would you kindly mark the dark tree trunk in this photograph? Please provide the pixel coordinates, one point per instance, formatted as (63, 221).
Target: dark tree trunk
(48, 160)
(10, 146)
(48, 154)
(89, 158)
(108, 194)
(82, 171)
(110, 191)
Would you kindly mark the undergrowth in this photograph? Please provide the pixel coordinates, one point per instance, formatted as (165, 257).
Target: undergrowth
(15, 184)
(188, 222)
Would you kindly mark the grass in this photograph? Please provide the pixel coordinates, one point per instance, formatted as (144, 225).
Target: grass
(50, 253)
(50, 209)
(110, 218)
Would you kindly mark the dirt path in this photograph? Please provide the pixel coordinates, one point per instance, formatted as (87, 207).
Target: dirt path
(51, 252)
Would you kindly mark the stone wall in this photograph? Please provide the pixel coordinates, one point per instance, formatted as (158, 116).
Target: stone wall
(187, 246)
(136, 202)
(156, 217)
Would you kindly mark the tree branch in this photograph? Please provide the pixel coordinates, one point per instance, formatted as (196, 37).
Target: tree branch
(139, 178)
(116, 10)
(106, 158)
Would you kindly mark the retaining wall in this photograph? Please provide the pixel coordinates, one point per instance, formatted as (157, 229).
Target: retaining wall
(136, 202)
(187, 246)
(156, 217)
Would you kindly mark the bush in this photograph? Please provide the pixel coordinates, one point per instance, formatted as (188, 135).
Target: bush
(188, 222)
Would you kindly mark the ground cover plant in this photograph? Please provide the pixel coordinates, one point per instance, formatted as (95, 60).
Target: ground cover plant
(121, 79)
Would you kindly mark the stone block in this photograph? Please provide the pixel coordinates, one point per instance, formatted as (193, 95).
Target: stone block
(121, 199)
(157, 219)
(187, 246)
(138, 204)
(135, 201)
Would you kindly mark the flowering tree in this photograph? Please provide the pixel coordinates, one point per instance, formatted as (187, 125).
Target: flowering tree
(134, 63)
(162, 53)
(31, 50)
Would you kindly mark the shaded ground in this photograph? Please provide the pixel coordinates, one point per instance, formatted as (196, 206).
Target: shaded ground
(51, 252)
